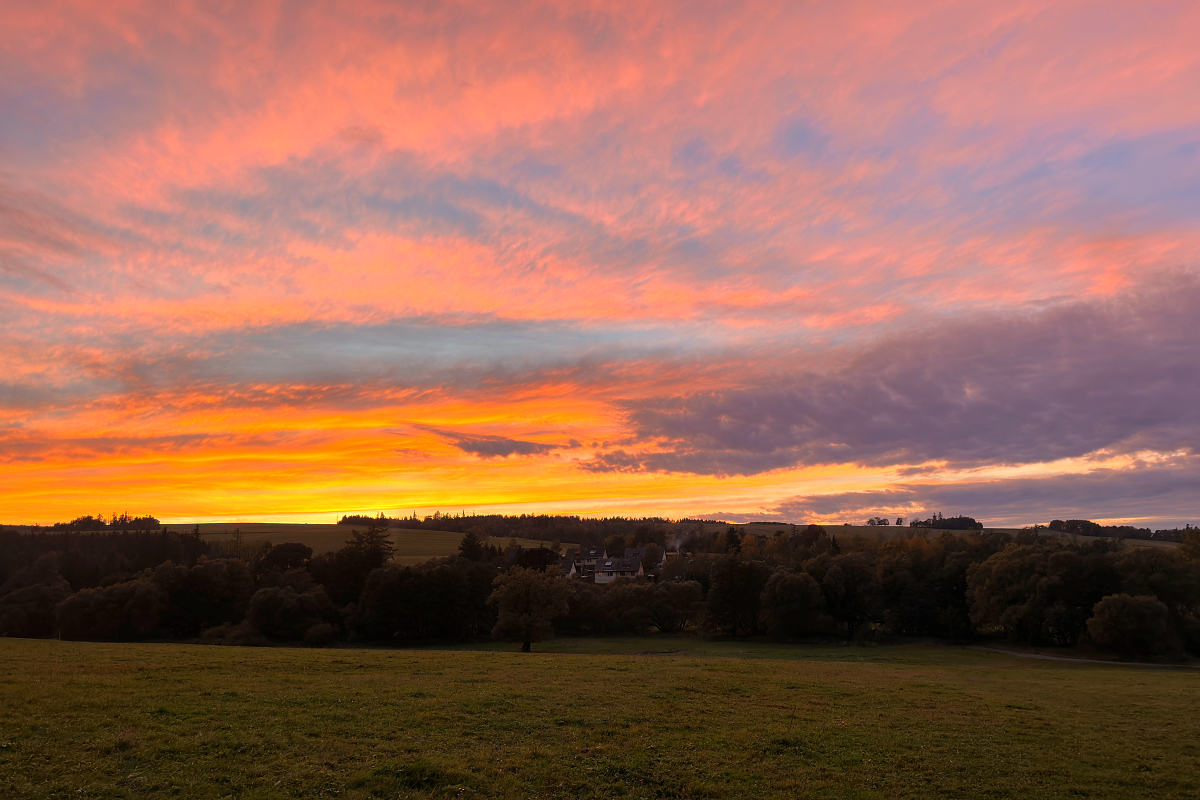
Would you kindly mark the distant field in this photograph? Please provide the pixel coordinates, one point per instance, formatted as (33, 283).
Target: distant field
(412, 546)
(587, 719)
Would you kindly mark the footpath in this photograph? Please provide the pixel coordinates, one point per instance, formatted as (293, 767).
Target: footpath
(1043, 657)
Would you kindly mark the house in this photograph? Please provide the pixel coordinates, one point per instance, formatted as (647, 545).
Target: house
(609, 569)
(583, 560)
(640, 554)
(568, 567)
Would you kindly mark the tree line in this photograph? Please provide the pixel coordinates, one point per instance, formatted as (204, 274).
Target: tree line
(116, 522)
(1085, 527)
(797, 582)
(585, 531)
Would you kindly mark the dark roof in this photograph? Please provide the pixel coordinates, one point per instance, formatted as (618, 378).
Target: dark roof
(592, 552)
(618, 565)
(635, 552)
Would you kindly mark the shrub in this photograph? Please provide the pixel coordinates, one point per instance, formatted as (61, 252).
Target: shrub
(791, 603)
(29, 611)
(121, 612)
(734, 595)
(282, 613)
(234, 635)
(1133, 625)
(320, 635)
(29, 597)
(439, 600)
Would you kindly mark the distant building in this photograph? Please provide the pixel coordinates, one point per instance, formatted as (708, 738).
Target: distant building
(583, 561)
(609, 569)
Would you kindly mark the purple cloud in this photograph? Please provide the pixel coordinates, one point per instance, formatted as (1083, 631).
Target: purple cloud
(489, 446)
(1117, 375)
(1162, 492)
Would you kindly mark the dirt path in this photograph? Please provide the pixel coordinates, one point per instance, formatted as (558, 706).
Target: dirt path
(1041, 657)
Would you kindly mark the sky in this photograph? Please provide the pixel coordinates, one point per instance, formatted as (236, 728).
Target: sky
(802, 261)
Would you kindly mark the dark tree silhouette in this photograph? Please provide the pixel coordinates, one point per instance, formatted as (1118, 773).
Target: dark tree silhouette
(471, 546)
(527, 601)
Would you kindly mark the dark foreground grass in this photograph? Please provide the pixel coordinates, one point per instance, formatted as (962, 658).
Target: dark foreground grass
(587, 719)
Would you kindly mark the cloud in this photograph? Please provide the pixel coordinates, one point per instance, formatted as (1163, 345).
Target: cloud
(345, 366)
(490, 446)
(1156, 492)
(223, 222)
(18, 446)
(1017, 388)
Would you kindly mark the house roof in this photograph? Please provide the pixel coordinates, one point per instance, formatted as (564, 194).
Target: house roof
(618, 565)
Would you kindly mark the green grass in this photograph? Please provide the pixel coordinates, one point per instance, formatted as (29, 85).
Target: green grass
(587, 718)
(412, 546)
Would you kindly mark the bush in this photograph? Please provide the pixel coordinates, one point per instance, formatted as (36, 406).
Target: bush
(233, 635)
(208, 594)
(1133, 625)
(121, 612)
(281, 558)
(321, 635)
(791, 603)
(673, 606)
(29, 612)
(1043, 592)
(437, 600)
(29, 597)
(282, 613)
(734, 595)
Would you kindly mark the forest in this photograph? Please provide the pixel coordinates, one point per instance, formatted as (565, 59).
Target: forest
(1035, 587)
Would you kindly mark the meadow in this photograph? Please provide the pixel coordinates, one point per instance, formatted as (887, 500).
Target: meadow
(645, 718)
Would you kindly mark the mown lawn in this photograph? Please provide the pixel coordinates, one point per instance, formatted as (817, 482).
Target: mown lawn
(587, 718)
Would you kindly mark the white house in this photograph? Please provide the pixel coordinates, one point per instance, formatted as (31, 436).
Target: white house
(609, 569)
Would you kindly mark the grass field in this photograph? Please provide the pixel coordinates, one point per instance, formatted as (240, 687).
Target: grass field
(642, 718)
(412, 546)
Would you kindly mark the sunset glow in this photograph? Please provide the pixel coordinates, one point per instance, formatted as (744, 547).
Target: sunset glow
(812, 262)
